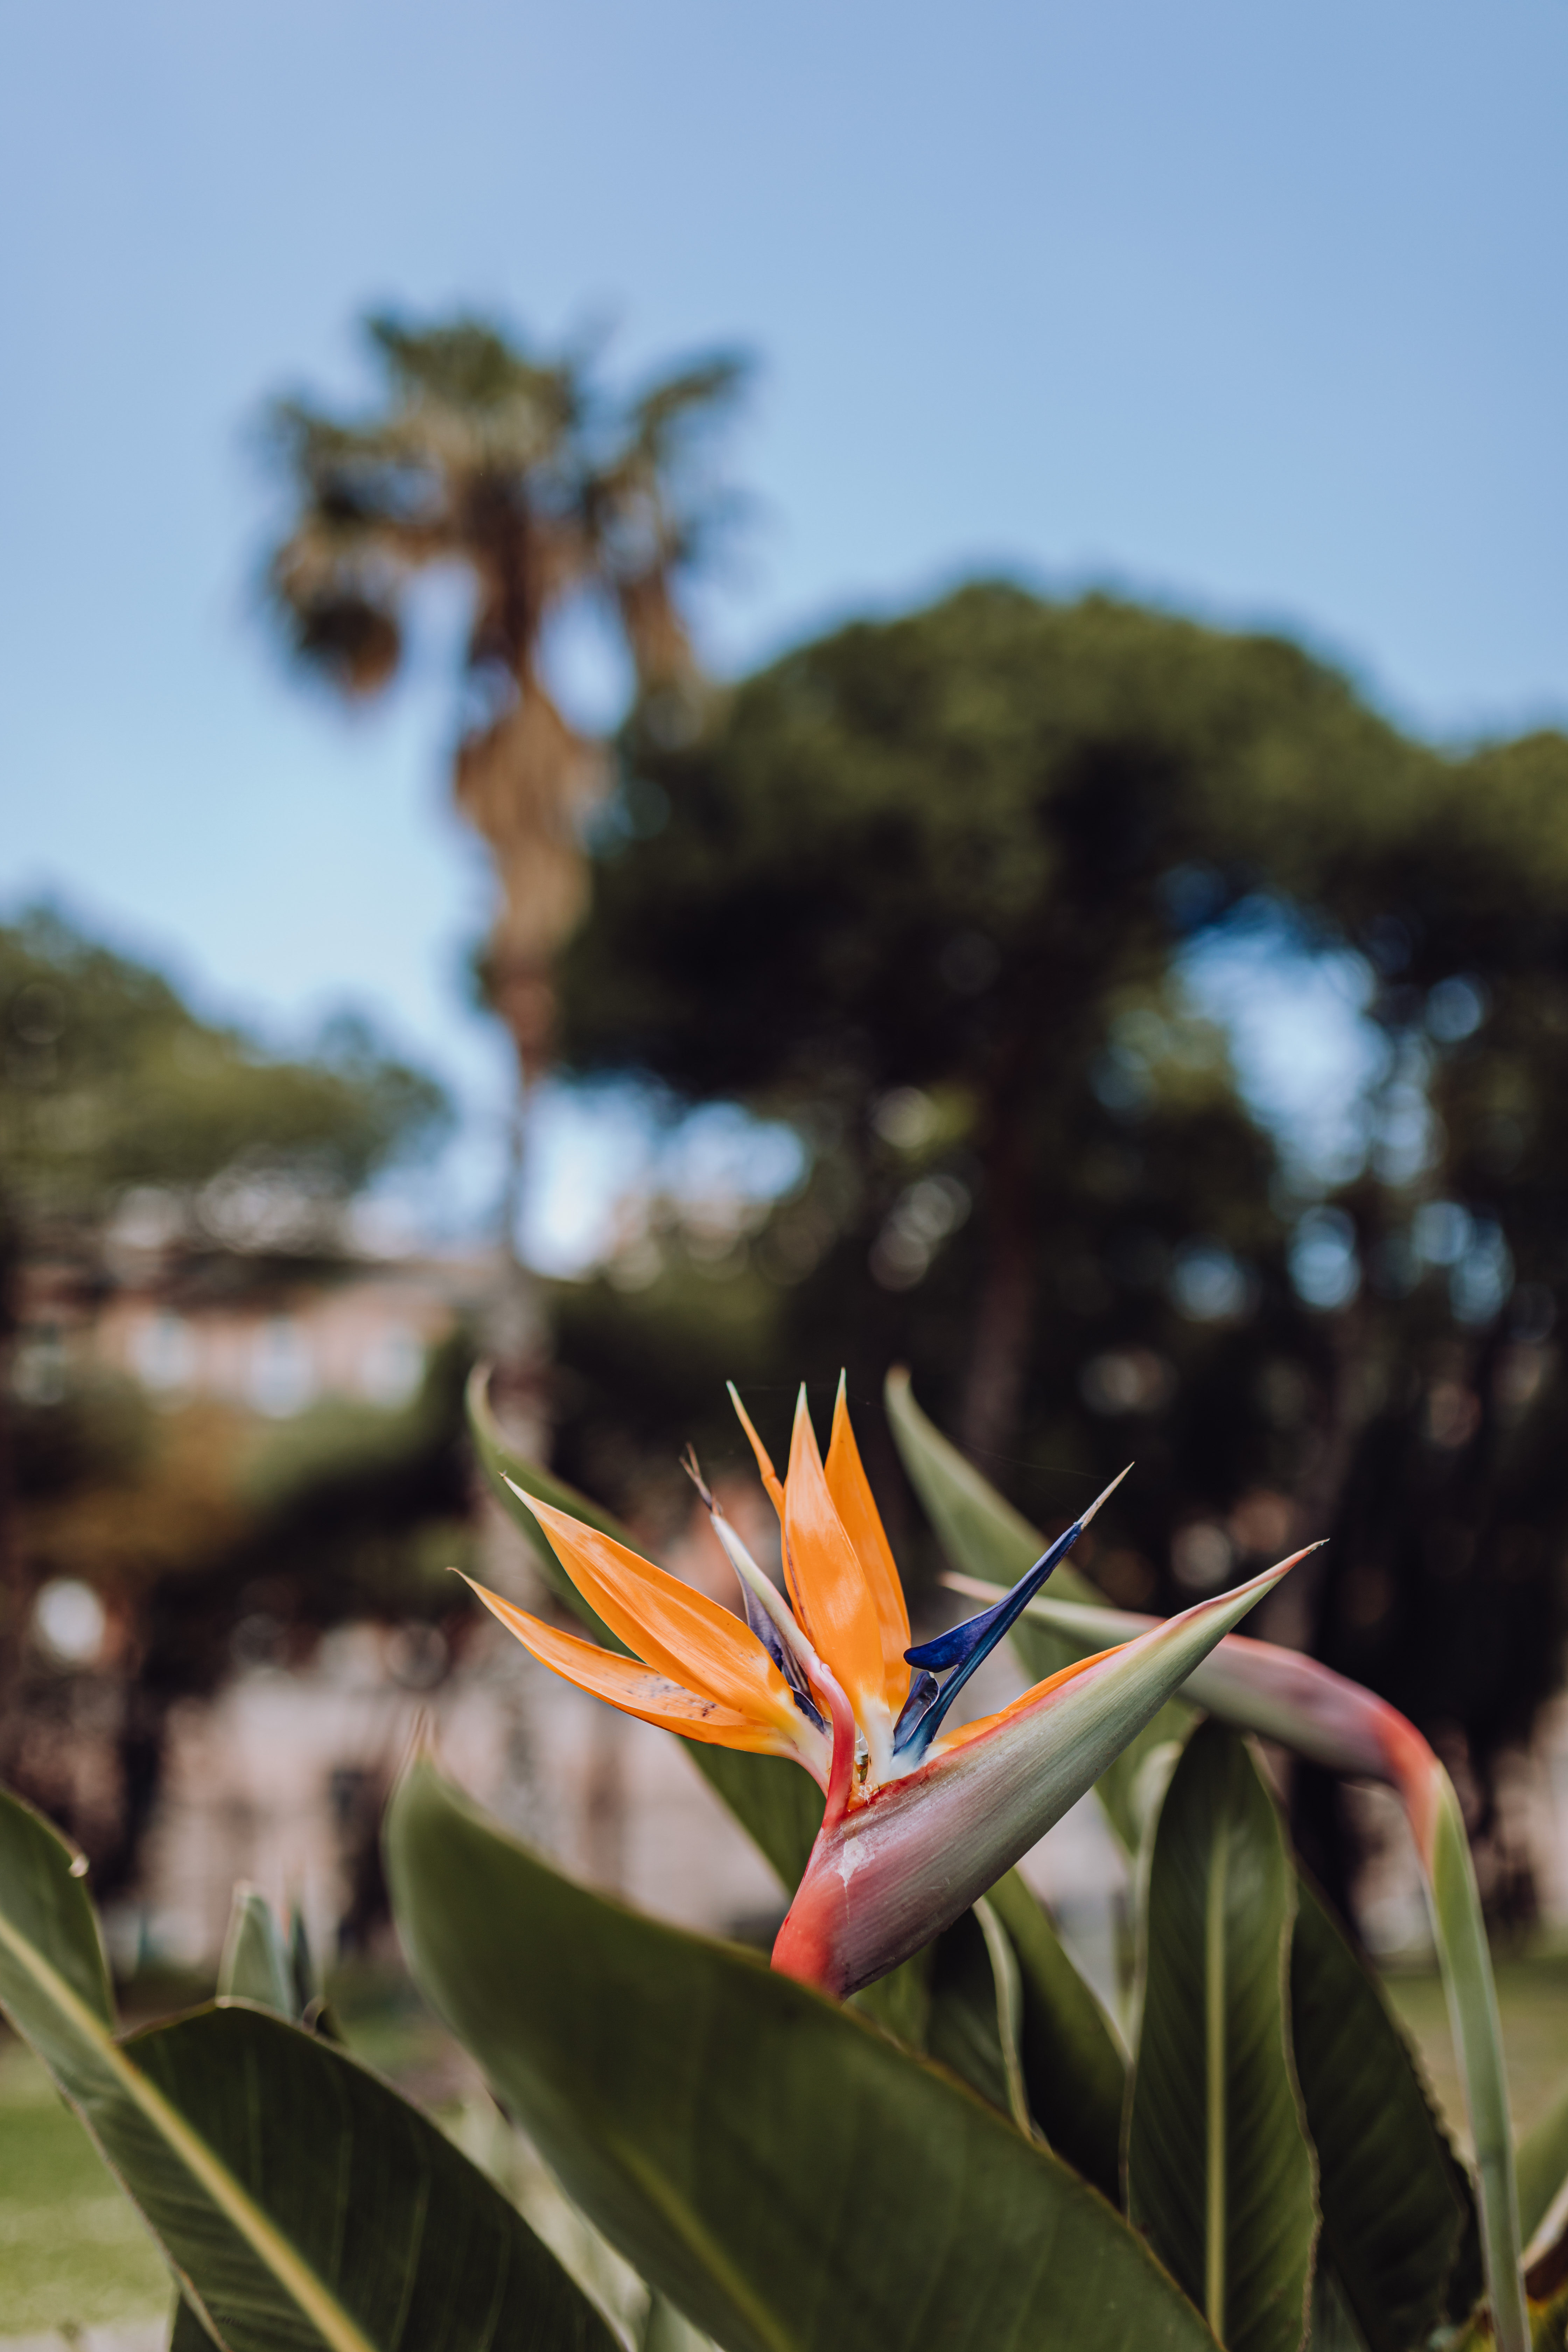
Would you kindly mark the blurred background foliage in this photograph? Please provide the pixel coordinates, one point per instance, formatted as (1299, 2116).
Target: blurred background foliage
(145, 1150)
(931, 891)
(936, 897)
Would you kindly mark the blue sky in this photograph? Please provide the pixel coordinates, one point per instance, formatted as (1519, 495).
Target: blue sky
(1257, 310)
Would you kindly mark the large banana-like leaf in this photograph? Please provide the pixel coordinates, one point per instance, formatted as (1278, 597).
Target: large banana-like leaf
(973, 2020)
(300, 2201)
(948, 2002)
(1333, 2325)
(1075, 2073)
(666, 2331)
(984, 1536)
(187, 2334)
(1259, 1687)
(778, 1804)
(1396, 2207)
(1219, 2168)
(789, 2178)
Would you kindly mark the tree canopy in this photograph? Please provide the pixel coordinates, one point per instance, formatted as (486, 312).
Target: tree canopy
(109, 1080)
(930, 888)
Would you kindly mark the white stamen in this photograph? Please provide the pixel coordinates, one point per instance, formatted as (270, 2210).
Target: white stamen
(756, 1580)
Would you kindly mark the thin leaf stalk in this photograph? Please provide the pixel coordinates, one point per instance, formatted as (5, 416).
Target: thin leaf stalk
(1215, 2051)
(1009, 2013)
(1465, 1960)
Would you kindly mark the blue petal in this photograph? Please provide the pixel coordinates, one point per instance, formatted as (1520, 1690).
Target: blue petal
(965, 1647)
(923, 1688)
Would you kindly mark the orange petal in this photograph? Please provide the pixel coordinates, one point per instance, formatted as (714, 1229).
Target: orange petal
(852, 1499)
(631, 1686)
(672, 1627)
(827, 1584)
(947, 1741)
(764, 1459)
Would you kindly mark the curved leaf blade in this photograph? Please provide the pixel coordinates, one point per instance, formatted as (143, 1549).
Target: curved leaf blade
(946, 2003)
(256, 1964)
(187, 2334)
(1075, 2072)
(972, 2025)
(1396, 2204)
(299, 2200)
(679, 2090)
(977, 1528)
(982, 1534)
(1219, 2168)
(1319, 1715)
(407, 2241)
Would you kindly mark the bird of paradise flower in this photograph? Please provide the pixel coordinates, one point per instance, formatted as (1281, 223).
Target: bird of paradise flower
(921, 1816)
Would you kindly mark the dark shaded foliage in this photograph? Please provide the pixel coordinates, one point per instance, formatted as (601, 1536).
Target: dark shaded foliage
(964, 854)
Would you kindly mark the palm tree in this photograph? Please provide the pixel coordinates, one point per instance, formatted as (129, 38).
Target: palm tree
(522, 473)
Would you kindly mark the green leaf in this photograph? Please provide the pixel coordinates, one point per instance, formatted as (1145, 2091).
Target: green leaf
(299, 2200)
(1333, 2325)
(965, 2031)
(947, 2003)
(256, 1964)
(666, 2331)
(900, 2002)
(1395, 2205)
(778, 1804)
(1543, 2165)
(984, 1536)
(977, 1528)
(774, 2165)
(1219, 2167)
(1074, 2070)
(1337, 1723)
(1464, 1958)
(188, 2334)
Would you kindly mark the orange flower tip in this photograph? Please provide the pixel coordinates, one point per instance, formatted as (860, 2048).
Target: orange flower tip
(1084, 1517)
(764, 1460)
(521, 1493)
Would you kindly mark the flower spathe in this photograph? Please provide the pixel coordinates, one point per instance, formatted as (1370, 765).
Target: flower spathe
(918, 1819)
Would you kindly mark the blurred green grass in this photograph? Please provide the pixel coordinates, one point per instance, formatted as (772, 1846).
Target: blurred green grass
(73, 2253)
(1532, 1995)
